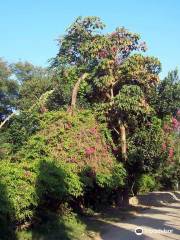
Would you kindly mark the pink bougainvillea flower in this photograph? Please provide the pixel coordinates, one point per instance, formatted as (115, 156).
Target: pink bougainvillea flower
(148, 123)
(175, 123)
(113, 33)
(164, 146)
(114, 49)
(68, 125)
(90, 150)
(27, 173)
(166, 127)
(93, 130)
(103, 54)
(72, 160)
(171, 152)
(115, 148)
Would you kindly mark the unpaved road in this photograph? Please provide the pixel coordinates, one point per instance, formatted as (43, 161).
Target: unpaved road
(164, 219)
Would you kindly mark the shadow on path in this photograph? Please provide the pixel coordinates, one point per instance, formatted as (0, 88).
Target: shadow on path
(113, 226)
(7, 216)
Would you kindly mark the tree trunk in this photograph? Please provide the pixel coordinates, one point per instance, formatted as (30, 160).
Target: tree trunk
(75, 92)
(111, 96)
(123, 141)
(123, 198)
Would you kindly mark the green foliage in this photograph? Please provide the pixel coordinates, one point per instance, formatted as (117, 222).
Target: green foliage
(146, 183)
(65, 79)
(72, 44)
(35, 81)
(19, 181)
(20, 128)
(167, 99)
(50, 165)
(169, 176)
(35, 149)
(65, 227)
(8, 90)
(29, 185)
(24, 71)
(140, 70)
(70, 138)
(130, 102)
(7, 225)
(32, 90)
(5, 146)
(57, 183)
(112, 180)
(145, 147)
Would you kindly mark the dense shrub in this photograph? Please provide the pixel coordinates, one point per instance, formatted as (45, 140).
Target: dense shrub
(35, 185)
(19, 182)
(78, 139)
(31, 189)
(145, 183)
(113, 179)
(59, 164)
(169, 176)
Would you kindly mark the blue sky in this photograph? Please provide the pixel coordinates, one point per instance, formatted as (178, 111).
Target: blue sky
(29, 29)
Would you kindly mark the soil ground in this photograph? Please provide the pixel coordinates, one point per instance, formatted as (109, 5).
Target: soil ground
(160, 220)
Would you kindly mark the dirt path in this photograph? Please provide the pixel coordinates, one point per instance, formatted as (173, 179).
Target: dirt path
(161, 223)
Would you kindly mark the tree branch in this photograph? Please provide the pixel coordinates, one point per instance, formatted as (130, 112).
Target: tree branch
(7, 119)
(75, 91)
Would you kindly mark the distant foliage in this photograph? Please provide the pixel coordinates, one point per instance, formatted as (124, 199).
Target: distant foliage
(9, 89)
(167, 99)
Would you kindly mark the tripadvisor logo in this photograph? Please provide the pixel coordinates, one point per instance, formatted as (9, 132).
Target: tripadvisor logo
(138, 231)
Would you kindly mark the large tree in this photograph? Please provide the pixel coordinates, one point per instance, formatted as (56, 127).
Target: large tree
(105, 62)
(119, 79)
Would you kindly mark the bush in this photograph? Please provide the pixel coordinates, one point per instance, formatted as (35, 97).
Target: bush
(113, 179)
(145, 183)
(29, 186)
(169, 176)
(101, 187)
(68, 161)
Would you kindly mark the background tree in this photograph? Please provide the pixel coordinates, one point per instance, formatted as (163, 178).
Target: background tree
(8, 90)
(167, 97)
(34, 81)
